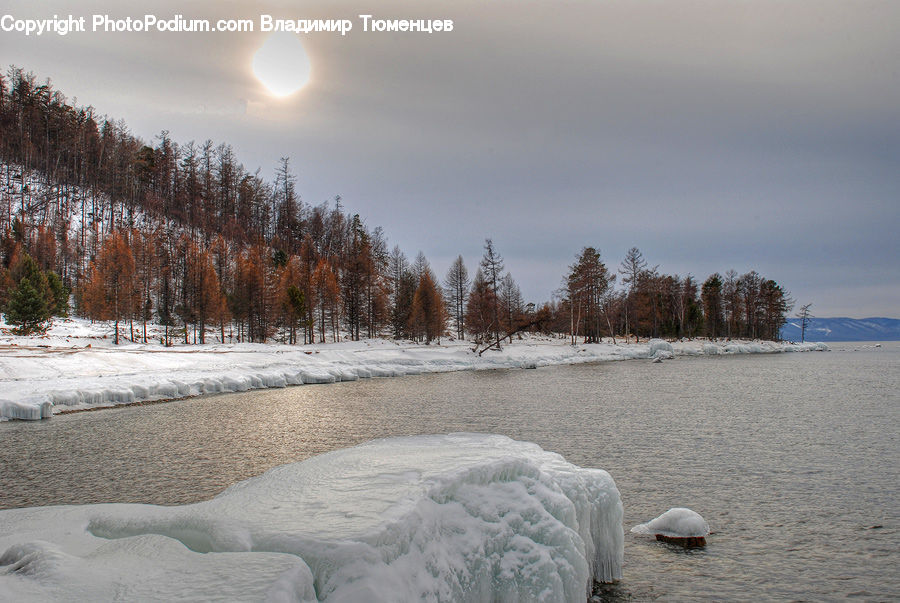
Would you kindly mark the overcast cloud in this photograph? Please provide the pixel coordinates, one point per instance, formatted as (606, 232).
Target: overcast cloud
(711, 135)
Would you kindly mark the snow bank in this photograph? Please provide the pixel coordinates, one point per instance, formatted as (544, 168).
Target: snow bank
(678, 522)
(460, 517)
(43, 375)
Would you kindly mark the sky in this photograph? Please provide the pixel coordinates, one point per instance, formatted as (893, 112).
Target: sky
(710, 134)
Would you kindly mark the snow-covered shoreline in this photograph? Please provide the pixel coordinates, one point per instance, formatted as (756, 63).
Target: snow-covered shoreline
(74, 369)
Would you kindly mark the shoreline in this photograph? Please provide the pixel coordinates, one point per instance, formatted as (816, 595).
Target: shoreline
(59, 376)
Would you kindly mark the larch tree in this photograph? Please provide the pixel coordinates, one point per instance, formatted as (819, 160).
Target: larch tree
(110, 292)
(749, 287)
(492, 270)
(222, 255)
(377, 284)
(210, 300)
(327, 295)
(165, 295)
(731, 296)
(456, 286)
(252, 300)
(356, 275)
(288, 209)
(480, 308)
(428, 315)
(511, 304)
(144, 250)
(403, 289)
(805, 315)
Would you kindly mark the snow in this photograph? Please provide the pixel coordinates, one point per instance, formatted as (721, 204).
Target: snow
(461, 517)
(660, 349)
(76, 366)
(710, 349)
(678, 522)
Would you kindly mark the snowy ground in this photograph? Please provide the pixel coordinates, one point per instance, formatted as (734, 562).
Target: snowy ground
(76, 366)
(459, 517)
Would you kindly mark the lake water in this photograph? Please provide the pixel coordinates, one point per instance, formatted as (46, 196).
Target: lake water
(793, 459)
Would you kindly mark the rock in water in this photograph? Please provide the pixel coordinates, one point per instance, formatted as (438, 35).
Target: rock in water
(677, 526)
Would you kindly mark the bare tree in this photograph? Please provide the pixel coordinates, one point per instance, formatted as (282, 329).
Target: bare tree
(456, 287)
(492, 268)
(805, 317)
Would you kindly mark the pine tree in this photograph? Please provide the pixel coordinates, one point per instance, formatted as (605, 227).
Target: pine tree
(293, 302)
(30, 303)
(586, 286)
(776, 304)
(711, 294)
(295, 305)
(632, 267)
(59, 295)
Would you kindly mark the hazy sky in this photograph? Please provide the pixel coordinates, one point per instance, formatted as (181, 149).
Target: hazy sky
(710, 134)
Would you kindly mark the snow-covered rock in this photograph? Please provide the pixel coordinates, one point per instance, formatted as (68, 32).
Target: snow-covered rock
(460, 517)
(660, 348)
(679, 525)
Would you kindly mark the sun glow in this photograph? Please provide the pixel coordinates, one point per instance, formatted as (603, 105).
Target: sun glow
(281, 64)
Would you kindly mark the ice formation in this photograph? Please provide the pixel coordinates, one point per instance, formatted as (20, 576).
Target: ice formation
(678, 522)
(460, 517)
(660, 348)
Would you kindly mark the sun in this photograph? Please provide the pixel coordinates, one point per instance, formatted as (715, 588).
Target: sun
(281, 64)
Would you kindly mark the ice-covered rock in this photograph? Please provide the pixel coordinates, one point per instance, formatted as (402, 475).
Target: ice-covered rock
(678, 525)
(660, 348)
(460, 517)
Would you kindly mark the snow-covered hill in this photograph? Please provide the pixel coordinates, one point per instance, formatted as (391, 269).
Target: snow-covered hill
(844, 329)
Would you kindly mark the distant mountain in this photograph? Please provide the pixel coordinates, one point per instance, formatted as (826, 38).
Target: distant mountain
(844, 329)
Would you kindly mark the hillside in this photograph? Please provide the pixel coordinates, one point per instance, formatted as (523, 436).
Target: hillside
(844, 329)
(185, 236)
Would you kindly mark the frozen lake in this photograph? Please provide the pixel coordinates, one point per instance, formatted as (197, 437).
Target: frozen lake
(793, 459)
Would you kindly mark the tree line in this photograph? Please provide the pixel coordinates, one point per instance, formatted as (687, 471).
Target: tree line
(186, 237)
(651, 304)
